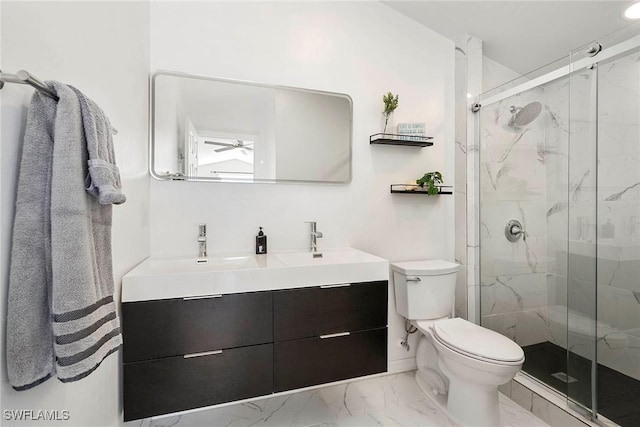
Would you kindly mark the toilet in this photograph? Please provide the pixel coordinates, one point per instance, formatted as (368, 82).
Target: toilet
(460, 364)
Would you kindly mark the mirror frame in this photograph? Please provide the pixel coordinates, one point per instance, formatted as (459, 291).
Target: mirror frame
(181, 177)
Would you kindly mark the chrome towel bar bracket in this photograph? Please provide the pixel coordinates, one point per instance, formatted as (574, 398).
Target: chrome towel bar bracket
(25, 78)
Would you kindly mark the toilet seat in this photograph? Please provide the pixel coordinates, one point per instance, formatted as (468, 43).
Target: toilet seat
(477, 342)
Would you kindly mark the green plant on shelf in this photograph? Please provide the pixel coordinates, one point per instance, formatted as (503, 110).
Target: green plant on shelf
(430, 180)
(390, 105)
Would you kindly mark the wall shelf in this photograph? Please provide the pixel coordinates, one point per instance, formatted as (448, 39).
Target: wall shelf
(416, 189)
(400, 139)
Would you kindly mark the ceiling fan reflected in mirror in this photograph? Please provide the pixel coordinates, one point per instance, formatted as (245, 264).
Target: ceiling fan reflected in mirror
(225, 146)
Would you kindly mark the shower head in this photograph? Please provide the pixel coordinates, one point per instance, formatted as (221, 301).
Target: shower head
(522, 116)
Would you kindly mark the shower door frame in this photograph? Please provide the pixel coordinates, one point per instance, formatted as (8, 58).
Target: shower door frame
(563, 71)
(590, 65)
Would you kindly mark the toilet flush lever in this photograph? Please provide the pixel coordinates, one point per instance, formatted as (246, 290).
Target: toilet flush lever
(413, 279)
(514, 230)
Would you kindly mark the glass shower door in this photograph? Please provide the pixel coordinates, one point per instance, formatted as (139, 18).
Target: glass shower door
(568, 169)
(603, 297)
(523, 177)
(581, 297)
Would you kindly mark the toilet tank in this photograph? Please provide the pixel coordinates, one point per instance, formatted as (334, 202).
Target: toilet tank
(425, 289)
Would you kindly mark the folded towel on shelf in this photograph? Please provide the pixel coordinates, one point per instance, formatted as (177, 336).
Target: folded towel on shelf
(66, 311)
(103, 180)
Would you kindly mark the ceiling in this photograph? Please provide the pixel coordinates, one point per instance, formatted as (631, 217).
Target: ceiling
(521, 35)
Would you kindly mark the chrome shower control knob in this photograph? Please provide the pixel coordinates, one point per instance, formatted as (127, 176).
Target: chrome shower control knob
(514, 230)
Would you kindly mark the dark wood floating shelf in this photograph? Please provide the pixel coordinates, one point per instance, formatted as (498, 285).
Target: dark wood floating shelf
(398, 139)
(416, 189)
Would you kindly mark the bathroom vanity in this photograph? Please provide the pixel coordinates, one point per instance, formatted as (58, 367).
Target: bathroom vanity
(243, 327)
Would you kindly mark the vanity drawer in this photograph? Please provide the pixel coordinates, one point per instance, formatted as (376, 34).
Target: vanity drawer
(164, 328)
(312, 361)
(311, 312)
(176, 383)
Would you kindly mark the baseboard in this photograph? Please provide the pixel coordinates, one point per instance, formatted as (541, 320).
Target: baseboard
(402, 365)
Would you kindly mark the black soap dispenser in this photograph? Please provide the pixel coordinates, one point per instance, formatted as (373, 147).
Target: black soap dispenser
(261, 242)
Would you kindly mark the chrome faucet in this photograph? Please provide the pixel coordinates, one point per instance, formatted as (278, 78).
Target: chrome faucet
(202, 241)
(314, 236)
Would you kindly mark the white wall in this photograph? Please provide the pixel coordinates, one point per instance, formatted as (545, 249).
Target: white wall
(101, 48)
(363, 49)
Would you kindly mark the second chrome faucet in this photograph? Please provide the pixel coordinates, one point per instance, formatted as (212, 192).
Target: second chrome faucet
(202, 241)
(315, 235)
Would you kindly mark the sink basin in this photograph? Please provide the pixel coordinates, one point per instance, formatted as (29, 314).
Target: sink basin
(193, 265)
(336, 256)
(181, 277)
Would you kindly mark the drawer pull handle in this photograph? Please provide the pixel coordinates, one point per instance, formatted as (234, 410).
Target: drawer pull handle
(204, 353)
(341, 285)
(340, 334)
(201, 297)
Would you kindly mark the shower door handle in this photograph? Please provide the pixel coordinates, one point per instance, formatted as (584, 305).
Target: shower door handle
(514, 230)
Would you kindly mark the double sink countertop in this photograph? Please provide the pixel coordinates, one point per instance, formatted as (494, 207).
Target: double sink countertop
(182, 277)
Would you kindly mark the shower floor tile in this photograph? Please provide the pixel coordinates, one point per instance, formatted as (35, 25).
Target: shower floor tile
(618, 394)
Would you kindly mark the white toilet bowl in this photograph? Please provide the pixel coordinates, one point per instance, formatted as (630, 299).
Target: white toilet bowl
(472, 362)
(455, 357)
(474, 375)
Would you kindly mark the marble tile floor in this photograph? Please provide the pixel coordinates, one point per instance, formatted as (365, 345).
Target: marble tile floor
(392, 400)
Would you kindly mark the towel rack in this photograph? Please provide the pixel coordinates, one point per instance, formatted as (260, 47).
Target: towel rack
(26, 78)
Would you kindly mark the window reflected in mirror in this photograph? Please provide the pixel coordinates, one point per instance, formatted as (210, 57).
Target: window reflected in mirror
(208, 129)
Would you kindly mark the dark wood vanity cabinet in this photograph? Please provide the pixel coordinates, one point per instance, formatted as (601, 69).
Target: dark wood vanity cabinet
(180, 383)
(311, 361)
(322, 310)
(182, 354)
(187, 353)
(329, 333)
(163, 328)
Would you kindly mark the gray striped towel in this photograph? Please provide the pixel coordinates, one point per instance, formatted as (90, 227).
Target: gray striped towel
(73, 321)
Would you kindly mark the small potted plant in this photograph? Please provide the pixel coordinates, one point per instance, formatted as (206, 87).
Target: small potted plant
(390, 105)
(430, 179)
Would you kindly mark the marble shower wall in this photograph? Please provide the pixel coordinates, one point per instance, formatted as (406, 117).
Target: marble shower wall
(469, 60)
(474, 89)
(555, 157)
(460, 185)
(551, 175)
(513, 185)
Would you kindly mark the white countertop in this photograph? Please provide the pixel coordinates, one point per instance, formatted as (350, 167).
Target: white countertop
(178, 277)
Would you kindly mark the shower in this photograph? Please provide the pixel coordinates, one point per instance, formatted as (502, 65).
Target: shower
(522, 116)
(569, 295)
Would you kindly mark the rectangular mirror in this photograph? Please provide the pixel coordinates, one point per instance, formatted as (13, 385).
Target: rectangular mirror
(211, 129)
